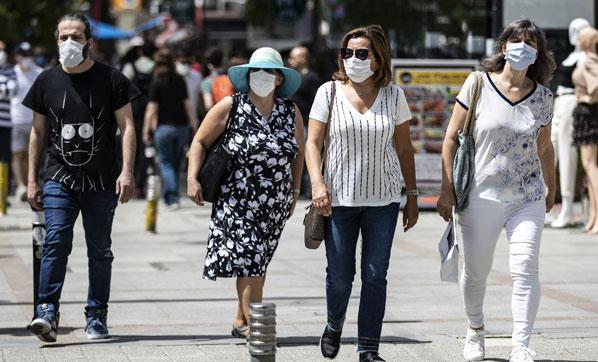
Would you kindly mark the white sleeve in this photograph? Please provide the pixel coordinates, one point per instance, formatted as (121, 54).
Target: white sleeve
(319, 109)
(128, 71)
(403, 112)
(464, 94)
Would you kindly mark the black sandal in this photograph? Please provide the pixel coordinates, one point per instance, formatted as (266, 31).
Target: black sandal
(238, 332)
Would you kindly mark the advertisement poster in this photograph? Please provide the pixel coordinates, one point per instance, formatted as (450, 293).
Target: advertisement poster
(430, 87)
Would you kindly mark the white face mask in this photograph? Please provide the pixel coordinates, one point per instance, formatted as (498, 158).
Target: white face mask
(26, 63)
(3, 57)
(71, 53)
(358, 70)
(262, 83)
(520, 55)
(182, 69)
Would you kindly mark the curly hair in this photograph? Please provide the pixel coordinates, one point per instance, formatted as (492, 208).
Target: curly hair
(543, 67)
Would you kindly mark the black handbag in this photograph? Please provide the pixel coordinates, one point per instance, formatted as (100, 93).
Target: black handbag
(314, 222)
(217, 162)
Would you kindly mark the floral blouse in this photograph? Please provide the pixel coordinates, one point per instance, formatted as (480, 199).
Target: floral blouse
(507, 166)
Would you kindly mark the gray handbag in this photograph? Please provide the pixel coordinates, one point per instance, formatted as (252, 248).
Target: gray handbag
(464, 161)
(314, 222)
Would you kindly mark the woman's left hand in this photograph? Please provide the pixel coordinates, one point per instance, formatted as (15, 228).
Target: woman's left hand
(410, 213)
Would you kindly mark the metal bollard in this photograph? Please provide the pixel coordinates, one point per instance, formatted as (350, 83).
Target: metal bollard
(151, 210)
(38, 230)
(3, 187)
(262, 332)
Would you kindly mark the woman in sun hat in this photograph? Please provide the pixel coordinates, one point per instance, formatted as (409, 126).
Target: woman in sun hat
(265, 142)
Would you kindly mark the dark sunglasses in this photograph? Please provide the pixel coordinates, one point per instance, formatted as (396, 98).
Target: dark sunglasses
(361, 54)
(267, 70)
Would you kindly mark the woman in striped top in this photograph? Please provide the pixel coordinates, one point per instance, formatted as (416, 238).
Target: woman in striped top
(368, 148)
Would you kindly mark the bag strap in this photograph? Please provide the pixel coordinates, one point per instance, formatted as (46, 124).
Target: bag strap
(327, 139)
(474, 97)
(233, 111)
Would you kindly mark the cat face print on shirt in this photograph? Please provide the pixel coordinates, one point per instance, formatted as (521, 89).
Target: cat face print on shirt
(78, 143)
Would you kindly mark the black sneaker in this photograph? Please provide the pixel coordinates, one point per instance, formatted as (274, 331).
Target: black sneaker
(96, 327)
(45, 323)
(330, 343)
(370, 357)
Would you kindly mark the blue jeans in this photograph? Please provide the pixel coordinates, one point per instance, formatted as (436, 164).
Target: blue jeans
(170, 143)
(377, 225)
(61, 209)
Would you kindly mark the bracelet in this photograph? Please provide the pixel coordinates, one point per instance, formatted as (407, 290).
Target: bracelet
(414, 192)
(296, 191)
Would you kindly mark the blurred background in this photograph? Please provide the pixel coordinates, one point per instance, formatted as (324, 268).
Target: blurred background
(434, 43)
(416, 28)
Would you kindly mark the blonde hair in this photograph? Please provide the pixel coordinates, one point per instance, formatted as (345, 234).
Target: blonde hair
(588, 37)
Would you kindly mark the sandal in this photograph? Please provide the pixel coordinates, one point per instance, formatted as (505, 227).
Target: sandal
(240, 332)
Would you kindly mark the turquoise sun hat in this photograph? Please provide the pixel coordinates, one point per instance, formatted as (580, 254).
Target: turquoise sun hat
(266, 58)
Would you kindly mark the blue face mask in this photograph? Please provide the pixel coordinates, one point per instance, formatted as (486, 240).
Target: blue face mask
(520, 55)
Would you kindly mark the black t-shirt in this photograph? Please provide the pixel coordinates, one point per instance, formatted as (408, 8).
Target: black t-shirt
(81, 124)
(563, 77)
(304, 97)
(170, 94)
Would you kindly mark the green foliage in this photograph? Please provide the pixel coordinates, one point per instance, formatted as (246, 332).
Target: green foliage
(32, 20)
(260, 12)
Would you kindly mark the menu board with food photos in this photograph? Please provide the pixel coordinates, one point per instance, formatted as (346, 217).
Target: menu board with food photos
(430, 86)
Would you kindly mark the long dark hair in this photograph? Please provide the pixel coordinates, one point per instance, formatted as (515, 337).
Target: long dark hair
(164, 64)
(543, 67)
(75, 17)
(380, 48)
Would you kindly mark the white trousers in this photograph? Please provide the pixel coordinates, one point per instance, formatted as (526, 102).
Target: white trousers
(565, 150)
(480, 226)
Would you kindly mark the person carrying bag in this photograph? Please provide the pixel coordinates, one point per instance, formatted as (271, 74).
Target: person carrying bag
(258, 191)
(315, 223)
(513, 186)
(369, 146)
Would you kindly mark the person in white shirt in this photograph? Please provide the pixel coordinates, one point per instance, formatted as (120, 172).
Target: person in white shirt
(369, 147)
(193, 80)
(26, 72)
(562, 125)
(514, 179)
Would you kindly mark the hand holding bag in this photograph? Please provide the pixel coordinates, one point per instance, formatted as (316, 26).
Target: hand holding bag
(217, 162)
(315, 223)
(464, 161)
(448, 247)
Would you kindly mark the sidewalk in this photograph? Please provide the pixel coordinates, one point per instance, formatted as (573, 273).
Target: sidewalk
(161, 309)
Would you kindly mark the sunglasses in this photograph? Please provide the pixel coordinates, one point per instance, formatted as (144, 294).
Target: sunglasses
(361, 54)
(267, 70)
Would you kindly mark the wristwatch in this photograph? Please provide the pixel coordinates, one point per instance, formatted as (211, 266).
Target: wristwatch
(414, 192)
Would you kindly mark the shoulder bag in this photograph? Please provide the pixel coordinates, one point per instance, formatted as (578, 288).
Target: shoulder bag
(464, 161)
(217, 162)
(315, 223)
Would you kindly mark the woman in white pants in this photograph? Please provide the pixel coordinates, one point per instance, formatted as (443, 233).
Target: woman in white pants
(514, 179)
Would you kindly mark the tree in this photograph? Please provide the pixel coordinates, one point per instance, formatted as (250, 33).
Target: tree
(33, 20)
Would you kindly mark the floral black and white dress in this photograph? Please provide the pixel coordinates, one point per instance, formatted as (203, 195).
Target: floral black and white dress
(248, 217)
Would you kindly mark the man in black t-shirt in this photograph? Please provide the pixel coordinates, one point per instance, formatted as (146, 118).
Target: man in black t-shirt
(304, 97)
(78, 107)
